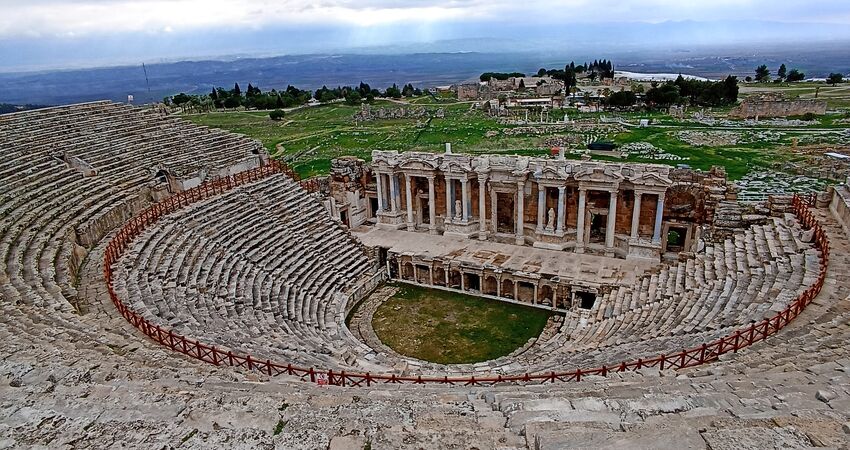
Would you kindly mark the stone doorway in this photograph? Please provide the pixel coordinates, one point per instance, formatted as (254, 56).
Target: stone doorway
(676, 239)
(507, 289)
(598, 228)
(525, 292)
(490, 286)
(586, 299)
(505, 213)
(373, 204)
(454, 279)
(439, 276)
(424, 211)
(473, 282)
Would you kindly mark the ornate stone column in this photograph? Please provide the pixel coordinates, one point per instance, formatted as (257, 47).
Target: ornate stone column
(582, 196)
(494, 205)
(411, 226)
(482, 207)
(561, 208)
(520, 212)
(612, 220)
(449, 200)
(541, 206)
(636, 215)
(379, 179)
(464, 192)
(394, 194)
(659, 214)
(432, 206)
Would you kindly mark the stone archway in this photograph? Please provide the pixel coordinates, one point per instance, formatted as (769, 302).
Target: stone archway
(491, 286)
(545, 295)
(439, 276)
(525, 291)
(507, 288)
(407, 271)
(454, 279)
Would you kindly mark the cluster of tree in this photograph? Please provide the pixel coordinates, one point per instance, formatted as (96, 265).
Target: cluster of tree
(597, 69)
(621, 99)
(708, 93)
(695, 92)
(782, 74)
(487, 76)
(567, 74)
(253, 97)
(355, 95)
(603, 68)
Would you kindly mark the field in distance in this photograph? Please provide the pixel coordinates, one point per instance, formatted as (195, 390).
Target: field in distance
(308, 138)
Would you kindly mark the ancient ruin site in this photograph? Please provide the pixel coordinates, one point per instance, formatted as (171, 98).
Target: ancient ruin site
(170, 285)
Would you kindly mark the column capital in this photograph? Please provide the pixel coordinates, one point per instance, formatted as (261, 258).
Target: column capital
(562, 188)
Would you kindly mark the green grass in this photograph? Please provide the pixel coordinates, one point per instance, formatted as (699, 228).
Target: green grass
(738, 159)
(310, 138)
(451, 328)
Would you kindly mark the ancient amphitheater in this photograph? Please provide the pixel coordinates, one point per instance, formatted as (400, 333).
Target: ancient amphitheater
(167, 285)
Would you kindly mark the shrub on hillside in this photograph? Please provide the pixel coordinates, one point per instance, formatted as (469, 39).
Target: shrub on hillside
(276, 114)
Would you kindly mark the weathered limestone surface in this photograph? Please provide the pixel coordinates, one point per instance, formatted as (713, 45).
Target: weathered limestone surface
(773, 106)
(265, 262)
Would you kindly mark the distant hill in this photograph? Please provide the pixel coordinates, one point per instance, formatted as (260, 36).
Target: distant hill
(381, 70)
(6, 108)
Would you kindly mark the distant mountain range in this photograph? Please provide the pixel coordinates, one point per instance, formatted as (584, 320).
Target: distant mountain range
(423, 69)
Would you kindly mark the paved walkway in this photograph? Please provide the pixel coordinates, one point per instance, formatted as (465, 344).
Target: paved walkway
(567, 265)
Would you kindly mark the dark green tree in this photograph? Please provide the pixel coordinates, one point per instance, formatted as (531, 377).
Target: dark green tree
(795, 75)
(835, 78)
(762, 74)
(782, 72)
(730, 89)
(393, 91)
(353, 98)
(276, 114)
(622, 99)
(664, 95)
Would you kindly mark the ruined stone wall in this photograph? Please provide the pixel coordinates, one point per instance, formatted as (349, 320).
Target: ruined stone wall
(777, 108)
(468, 91)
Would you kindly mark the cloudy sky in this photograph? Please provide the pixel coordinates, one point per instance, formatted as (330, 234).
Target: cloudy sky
(35, 33)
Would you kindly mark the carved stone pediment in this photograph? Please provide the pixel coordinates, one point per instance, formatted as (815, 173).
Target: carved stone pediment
(651, 179)
(418, 164)
(551, 173)
(598, 174)
(456, 166)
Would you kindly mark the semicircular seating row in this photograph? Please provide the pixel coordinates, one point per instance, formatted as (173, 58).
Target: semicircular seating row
(256, 269)
(44, 202)
(260, 269)
(750, 276)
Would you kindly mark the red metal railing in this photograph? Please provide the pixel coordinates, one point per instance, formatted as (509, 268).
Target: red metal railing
(686, 358)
